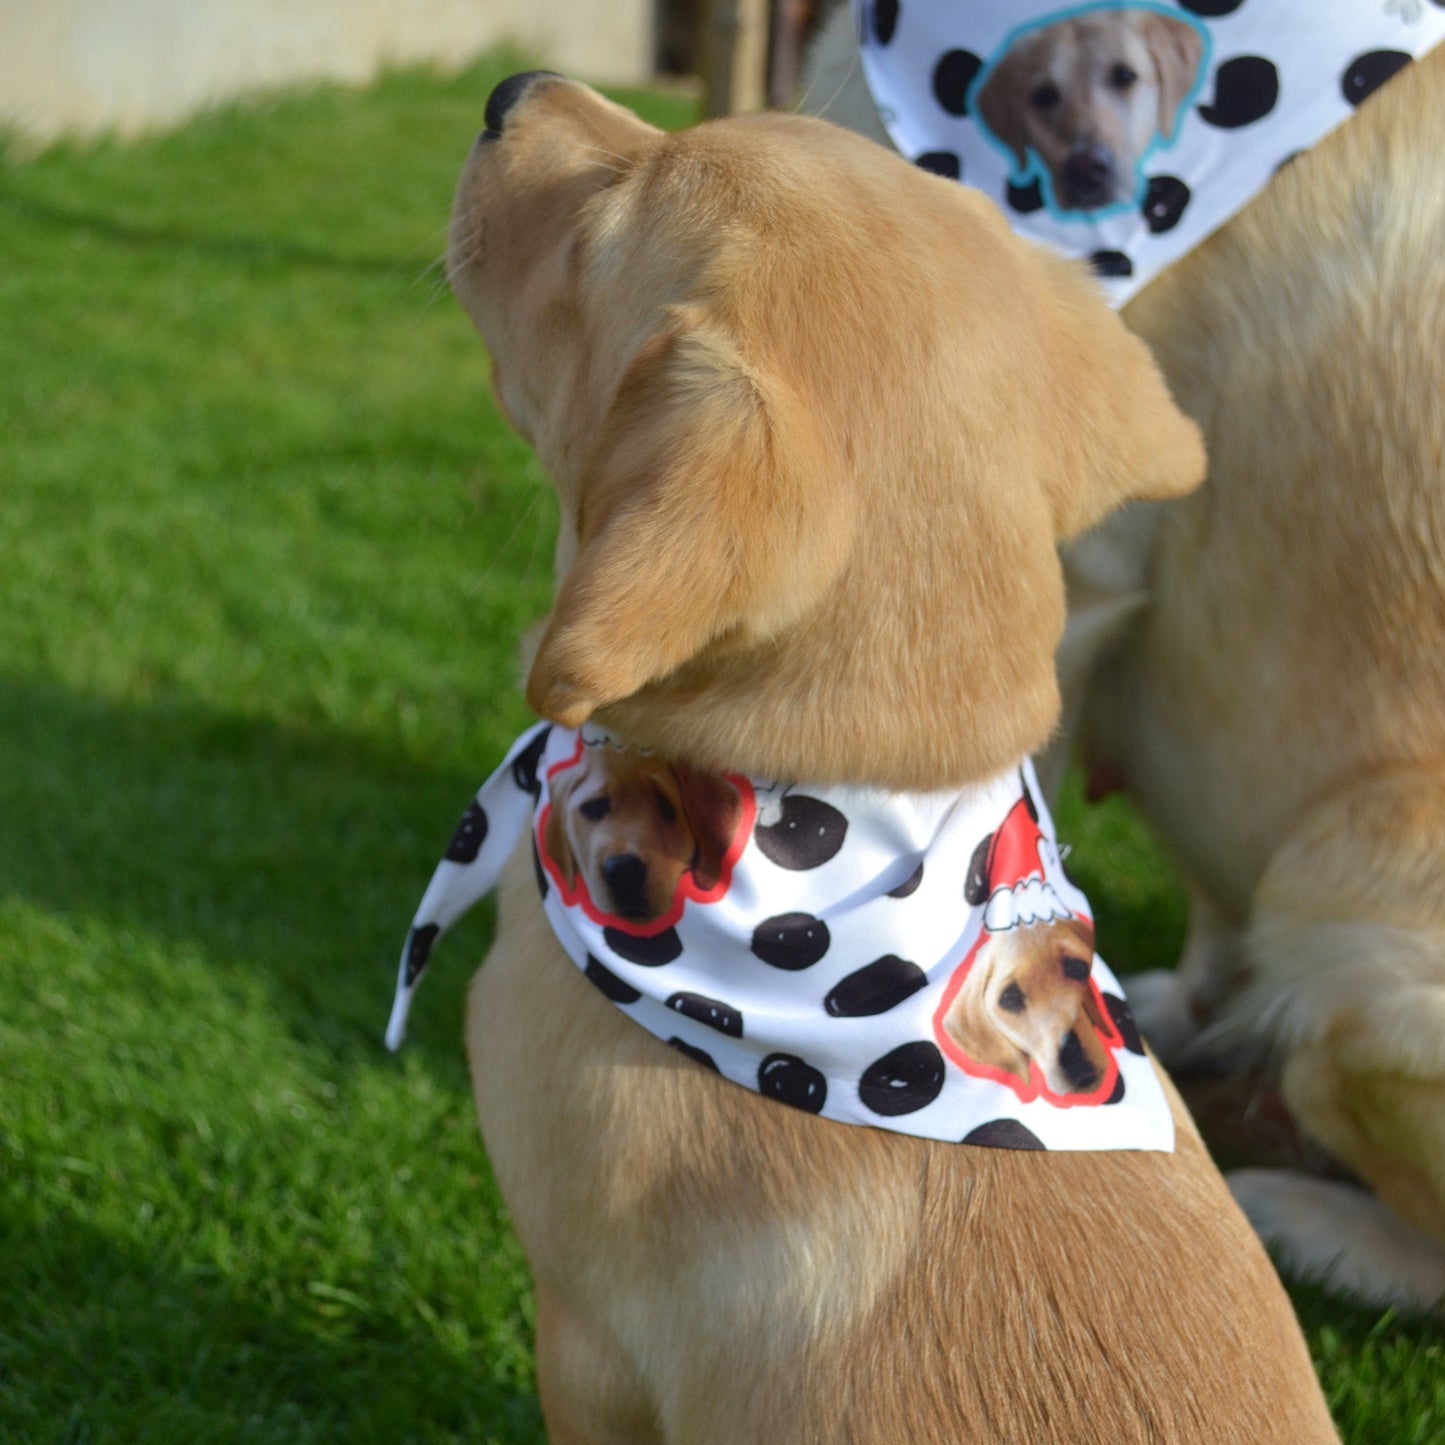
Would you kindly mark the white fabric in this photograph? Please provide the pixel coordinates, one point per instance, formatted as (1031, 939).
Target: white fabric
(864, 893)
(1272, 78)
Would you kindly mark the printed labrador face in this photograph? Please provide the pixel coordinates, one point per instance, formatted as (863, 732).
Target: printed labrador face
(1027, 1012)
(626, 831)
(1081, 102)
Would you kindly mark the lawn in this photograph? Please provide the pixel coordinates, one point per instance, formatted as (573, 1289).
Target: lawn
(265, 549)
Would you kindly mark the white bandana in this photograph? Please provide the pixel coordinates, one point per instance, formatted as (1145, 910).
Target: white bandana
(917, 962)
(1127, 131)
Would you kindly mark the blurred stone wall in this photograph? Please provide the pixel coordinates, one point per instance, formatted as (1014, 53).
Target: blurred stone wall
(84, 66)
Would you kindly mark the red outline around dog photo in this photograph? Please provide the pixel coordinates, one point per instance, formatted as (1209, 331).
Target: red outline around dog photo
(577, 894)
(1035, 1087)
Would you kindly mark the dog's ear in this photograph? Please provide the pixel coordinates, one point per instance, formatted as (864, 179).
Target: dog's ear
(1000, 106)
(1125, 439)
(712, 507)
(1177, 48)
(554, 835)
(1082, 932)
(970, 1025)
(1103, 1026)
(713, 811)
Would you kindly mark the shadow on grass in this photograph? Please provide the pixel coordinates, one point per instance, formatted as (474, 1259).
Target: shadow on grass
(103, 1342)
(298, 853)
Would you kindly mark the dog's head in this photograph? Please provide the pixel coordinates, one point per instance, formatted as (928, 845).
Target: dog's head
(816, 421)
(632, 827)
(1090, 96)
(1027, 1000)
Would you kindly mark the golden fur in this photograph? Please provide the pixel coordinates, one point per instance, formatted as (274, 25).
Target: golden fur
(1089, 96)
(811, 468)
(1276, 705)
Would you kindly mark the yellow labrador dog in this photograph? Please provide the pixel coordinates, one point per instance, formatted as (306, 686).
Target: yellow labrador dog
(1277, 706)
(811, 472)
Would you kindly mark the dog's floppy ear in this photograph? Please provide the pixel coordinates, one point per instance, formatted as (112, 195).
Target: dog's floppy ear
(1083, 933)
(1000, 105)
(554, 835)
(1102, 1025)
(710, 508)
(1177, 48)
(970, 1026)
(713, 811)
(1124, 440)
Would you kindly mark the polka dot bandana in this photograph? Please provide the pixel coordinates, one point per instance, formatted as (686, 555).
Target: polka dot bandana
(916, 962)
(1126, 132)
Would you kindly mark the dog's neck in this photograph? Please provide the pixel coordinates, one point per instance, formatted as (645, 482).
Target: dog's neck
(857, 697)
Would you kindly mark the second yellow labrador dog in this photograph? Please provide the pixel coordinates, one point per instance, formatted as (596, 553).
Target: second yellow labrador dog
(1274, 692)
(816, 421)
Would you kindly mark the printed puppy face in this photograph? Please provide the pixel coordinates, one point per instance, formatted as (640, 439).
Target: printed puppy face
(633, 827)
(1027, 1003)
(1089, 96)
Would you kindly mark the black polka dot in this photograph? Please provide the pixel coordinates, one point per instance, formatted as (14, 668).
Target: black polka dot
(807, 835)
(885, 20)
(791, 940)
(1211, 7)
(874, 989)
(952, 77)
(618, 990)
(418, 949)
(1164, 203)
(1367, 73)
(1025, 199)
(975, 885)
(909, 886)
(524, 765)
(786, 1078)
(1124, 1023)
(940, 163)
(1245, 90)
(537, 865)
(1111, 263)
(651, 952)
(710, 1011)
(1118, 1091)
(698, 1056)
(471, 833)
(903, 1081)
(1004, 1134)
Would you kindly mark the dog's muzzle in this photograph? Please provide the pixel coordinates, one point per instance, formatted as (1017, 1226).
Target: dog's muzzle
(506, 94)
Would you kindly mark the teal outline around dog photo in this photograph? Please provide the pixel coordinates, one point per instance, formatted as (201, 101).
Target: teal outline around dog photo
(1034, 168)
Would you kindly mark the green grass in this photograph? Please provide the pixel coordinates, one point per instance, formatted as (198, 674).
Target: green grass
(265, 551)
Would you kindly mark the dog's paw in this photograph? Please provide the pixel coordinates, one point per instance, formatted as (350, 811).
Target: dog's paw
(1162, 1010)
(1342, 1236)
